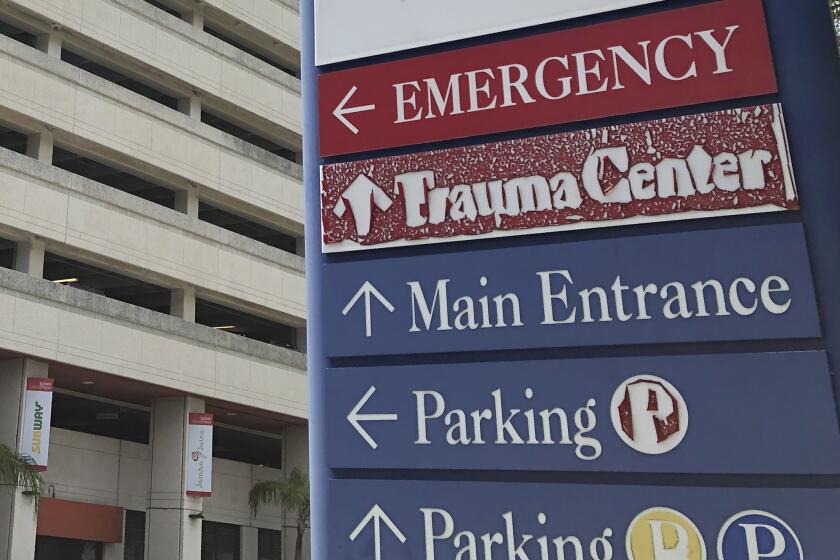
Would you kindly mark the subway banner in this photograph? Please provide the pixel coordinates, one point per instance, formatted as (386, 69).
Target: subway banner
(200, 455)
(35, 440)
(695, 166)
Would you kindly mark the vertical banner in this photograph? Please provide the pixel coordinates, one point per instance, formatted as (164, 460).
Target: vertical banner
(35, 439)
(200, 454)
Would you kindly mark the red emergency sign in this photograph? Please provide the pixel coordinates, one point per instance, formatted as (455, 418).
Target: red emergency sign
(679, 57)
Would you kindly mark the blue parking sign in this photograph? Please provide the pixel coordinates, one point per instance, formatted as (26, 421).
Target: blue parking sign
(758, 535)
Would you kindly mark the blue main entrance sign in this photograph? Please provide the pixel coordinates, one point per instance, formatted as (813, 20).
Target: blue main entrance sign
(729, 284)
(652, 414)
(656, 391)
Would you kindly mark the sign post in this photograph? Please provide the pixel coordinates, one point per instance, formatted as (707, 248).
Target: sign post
(571, 279)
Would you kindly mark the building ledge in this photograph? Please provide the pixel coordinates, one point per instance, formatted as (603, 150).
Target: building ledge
(86, 302)
(105, 120)
(184, 29)
(209, 42)
(124, 96)
(130, 203)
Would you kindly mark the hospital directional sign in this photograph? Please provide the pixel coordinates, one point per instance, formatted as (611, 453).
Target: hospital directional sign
(572, 288)
(721, 285)
(378, 520)
(651, 414)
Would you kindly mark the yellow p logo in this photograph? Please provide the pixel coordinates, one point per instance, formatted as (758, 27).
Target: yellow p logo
(664, 534)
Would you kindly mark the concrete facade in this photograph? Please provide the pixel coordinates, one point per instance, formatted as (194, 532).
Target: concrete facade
(94, 79)
(95, 116)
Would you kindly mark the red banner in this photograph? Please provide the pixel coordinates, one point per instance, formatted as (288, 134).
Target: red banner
(39, 384)
(715, 51)
(201, 419)
(695, 166)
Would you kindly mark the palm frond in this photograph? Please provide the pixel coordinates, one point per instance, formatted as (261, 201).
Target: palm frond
(293, 493)
(19, 471)
(265, 493)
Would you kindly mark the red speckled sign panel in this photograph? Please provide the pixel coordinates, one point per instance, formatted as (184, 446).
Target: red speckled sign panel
(695, 166)
(678, 57)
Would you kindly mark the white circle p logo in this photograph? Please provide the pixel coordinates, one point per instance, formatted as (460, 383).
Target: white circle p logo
(758, 535)
(649, 414)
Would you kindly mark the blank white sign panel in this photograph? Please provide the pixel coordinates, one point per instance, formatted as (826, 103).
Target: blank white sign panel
(352, 29)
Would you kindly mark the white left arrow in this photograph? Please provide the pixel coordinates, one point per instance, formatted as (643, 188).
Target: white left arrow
(367, 290)
(377, 516)
(342, 109)
(356, 419)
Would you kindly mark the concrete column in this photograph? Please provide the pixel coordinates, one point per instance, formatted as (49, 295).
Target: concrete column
(186, 201)
(18, 520)
(297, 456)
(249, 540)
(191, 106)
(300, 247)
(49, 43)
(29, 257)
(194, 17)
(40, 146)
(170, 533)
(182, 303)
(300, 339)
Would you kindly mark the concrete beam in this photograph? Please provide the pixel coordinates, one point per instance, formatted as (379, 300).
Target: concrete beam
(54, 322)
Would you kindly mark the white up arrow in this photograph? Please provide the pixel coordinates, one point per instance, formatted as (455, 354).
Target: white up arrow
(362, 195)
(367, 290)
(356, 419)
(342, 110)
(377, 516)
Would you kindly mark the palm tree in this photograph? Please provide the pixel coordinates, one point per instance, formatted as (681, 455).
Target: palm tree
(19, 471)
(835, 13)
(293, 493)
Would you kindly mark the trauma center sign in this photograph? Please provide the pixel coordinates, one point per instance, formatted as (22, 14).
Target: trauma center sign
(707, 164)
(35, 435)
(342, 27)
(711, 52)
